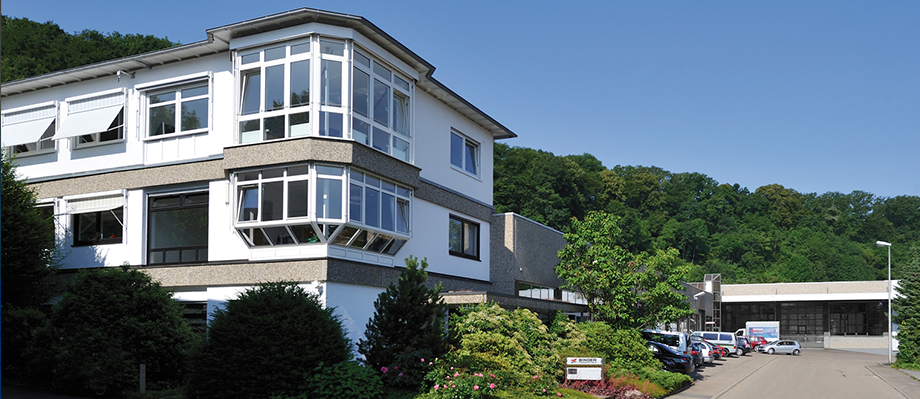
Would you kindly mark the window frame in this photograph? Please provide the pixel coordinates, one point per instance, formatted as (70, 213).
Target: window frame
(176, 89)
(151, 210)
(464, 223)
(397, 85)
(46, 143)
(467, 144)
(98, 222)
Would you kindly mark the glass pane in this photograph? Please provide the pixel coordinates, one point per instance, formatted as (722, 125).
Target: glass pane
(401, 83)
(297, 198)
(110, 225)
(258, 238)
(195, 91)
(86, 229)
(402, 216)
(395, 246)
(194, 114)
(184, 227)
(400, 149)
(300, 48)
(373, 181)
(381, 103)
(298, 170)
(300, 83)
(347, 233)
(382, 71)
(362, 59)
(387, 186)
(400, 113)
(332, 47)
(382, 140)
(162, 202)
(456, 150)
(360, 131)
(250, 58)
(329, 199)
(272, 201)
(172, 256)
(160, 97)
(279, 235)
(354, 202)
(274, 128)
(272, 173)
(372, 207)
(331, 83)
(162, 120)
(471, 239)
(330, 124)
(249, 203)
(199, 198)
(471, 162)
(328, 170)
(252, 92)
(274, 87)
(274, 53)
(155, 257)
(188, 255)
(305, 234)
(455, 236)
(388, 212)
(380, 242)
(250, 131)
(361, 92)
(299, 124)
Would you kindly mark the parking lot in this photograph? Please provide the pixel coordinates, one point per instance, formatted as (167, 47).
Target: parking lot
(814, 374)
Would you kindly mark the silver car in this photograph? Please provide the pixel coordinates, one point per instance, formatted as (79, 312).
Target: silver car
(783, 346)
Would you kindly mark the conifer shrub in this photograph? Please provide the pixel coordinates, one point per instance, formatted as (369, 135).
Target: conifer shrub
(264, 343)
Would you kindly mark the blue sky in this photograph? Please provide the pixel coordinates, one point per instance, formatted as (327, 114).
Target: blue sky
(818, 96)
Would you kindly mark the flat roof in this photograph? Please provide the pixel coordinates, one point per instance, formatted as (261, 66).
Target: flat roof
(815, 291)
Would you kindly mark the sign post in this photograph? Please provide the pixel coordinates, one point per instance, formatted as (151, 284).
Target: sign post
(584, 368)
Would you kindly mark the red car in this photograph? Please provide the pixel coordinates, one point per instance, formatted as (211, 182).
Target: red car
(757, 342)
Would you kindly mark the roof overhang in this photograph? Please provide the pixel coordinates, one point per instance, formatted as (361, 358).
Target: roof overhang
(219, 41)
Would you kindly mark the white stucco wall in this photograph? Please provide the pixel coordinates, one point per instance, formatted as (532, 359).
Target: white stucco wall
(429, 239)
(354, 304)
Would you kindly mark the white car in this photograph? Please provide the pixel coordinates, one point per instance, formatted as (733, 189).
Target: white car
(783, 346)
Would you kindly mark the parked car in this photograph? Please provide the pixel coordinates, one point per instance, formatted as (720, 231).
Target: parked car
(724, 339)
(745, 345)
(784, 346)
(758, 343)
(716, 350)
(671, 360)
(707, 351)
(724, 351)
(678, 341)
(696, 354)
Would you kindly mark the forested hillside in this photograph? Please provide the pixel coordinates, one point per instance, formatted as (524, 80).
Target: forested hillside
(30, 48)
(771, 234)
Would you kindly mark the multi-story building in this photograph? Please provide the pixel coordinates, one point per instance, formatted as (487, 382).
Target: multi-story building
(305, 146)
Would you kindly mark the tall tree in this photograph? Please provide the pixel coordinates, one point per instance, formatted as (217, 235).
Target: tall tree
(907, 311)
(624, 289)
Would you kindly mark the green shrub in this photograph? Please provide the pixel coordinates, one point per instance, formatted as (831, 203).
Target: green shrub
(345, 380)
(407, 328)
(666, 379)
(264, 342)
(109, 322)
(623, 349)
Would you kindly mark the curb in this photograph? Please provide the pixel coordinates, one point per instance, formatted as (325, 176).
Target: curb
(904, 394)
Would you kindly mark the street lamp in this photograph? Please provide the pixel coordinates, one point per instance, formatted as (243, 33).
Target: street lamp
(888, 244)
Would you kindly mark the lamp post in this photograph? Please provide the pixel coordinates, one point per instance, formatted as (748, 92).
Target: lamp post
(888, 244)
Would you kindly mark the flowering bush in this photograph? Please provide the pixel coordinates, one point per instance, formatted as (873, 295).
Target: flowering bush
(456, 383)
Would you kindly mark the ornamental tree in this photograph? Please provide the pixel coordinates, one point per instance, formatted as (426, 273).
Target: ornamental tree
(408, 326)
(907, 312)
(623, 289)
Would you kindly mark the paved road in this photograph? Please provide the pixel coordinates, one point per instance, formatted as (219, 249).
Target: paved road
(814, 374)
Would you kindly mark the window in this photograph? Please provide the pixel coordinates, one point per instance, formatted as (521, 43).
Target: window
(95, 120)
(527, 290)
(380, 105)
(178, 110)
(97, 220)
(306, 204)
(177, 228)
(29, 131)
(463, 238)
(464, 154)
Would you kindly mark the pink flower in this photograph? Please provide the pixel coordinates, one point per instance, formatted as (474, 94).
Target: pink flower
(430, 363)
(475, 387)
(423, 360)
(453, 386)
(400, 374)
(492, 386)
(544, 390)
(456, 374)
(559, 394)
(436, 387)
(395, 367)
(451, 367)
(448, 377)
(492, 375)
(384, 370)
(535, 377)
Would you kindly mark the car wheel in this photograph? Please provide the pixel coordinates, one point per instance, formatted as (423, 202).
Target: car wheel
(796, 352)
(770, 351)
(739, 352)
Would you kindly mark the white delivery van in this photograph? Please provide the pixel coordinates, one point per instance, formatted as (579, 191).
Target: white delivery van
(724, 339)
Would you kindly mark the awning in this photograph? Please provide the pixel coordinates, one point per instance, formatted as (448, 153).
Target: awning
(95, 204)
(24, 132)
(88, 122)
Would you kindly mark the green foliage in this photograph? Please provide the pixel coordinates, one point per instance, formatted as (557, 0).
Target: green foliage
(109, 322)
(665, 379)
(407, 327)
(29, 261)
(623, 289)
(345, 380)
(264, 342)
(31, 48)
(622, 349)
(773, 234)
(907, 311)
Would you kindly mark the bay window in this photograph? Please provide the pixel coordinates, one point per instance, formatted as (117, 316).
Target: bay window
(380, 107)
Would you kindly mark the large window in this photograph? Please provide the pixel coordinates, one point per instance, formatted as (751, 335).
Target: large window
(29, 131)
(178, 228)
(464, 154)
(321, 204)
(178, 110)
(463, 238)
(95, 120)
(380, 99)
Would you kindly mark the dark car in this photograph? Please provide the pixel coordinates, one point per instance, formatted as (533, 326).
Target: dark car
(745, 345)
(696, 354)
(671, 360)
